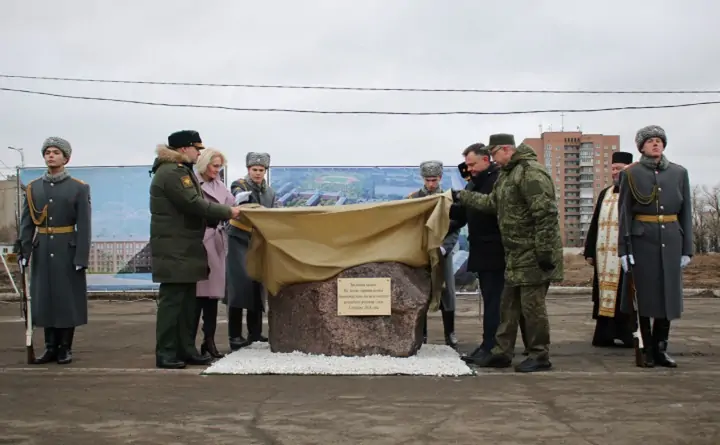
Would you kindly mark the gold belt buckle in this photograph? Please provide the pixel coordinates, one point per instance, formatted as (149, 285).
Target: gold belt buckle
(50, 230)
(661, 218)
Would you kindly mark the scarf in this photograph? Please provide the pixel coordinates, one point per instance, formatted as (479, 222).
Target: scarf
(256, 187)
(57, 177)
(653, 163)
(428, 192)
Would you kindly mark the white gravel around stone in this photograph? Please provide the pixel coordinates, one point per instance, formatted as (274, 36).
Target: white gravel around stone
(431, 360)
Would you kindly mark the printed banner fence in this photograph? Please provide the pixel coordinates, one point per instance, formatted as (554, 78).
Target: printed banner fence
(120, 253)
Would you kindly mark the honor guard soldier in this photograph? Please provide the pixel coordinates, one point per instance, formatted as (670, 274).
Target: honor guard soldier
(655, 207)
(432, 172)
(179, 217)
(55, 229)
(242, 291)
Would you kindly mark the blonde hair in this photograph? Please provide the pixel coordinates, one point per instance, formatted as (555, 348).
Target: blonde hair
(206, 157)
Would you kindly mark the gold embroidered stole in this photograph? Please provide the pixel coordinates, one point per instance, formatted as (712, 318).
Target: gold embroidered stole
(606, 258)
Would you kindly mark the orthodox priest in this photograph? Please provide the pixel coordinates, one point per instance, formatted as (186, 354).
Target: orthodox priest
(601, 247)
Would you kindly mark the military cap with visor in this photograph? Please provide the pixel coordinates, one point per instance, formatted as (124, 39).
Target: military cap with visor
(500, 139)
(185, 138)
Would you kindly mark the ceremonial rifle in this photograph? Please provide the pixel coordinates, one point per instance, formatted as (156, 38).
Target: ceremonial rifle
(629, 285)
(25, 297)
(27, 310)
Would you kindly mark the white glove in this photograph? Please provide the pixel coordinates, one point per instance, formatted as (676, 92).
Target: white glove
(242, 197)
(23, 262)
(78, 267)
(684, 261)
(624, 260)
(442, 250)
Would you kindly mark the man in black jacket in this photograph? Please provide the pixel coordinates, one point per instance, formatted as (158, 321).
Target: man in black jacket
(487, 256)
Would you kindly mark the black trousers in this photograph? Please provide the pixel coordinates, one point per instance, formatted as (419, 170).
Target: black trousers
(56, 337)
(655, 334)
(448, 318)
(206, 309)
(492, 283)
(252, 318)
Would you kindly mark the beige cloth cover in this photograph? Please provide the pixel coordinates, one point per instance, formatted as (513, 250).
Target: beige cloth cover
(304, 244)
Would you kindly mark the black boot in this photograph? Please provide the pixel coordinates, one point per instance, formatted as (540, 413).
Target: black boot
(648, 351)
(661, 332)
(448, 318)
(50, 354)
(208, 346)
(254, 321)
(64, 354)
(209, 318)
(235, 321)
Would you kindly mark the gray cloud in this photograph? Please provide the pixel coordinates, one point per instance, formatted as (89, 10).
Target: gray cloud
(528, 44)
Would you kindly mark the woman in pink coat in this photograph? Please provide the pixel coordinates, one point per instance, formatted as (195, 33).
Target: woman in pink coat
(208, 168)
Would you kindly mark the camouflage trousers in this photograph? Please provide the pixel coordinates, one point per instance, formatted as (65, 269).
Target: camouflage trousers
(528, 302)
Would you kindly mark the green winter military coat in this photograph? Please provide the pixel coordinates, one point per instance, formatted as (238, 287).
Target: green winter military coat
(179, 215)
(524, 200)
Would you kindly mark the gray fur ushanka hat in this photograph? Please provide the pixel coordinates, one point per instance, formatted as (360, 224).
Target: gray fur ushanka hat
(651, 131)
(254, 158)
(60, 143)
(431, 168)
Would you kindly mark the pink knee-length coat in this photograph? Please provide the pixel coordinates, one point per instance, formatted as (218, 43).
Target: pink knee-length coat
(215, 242)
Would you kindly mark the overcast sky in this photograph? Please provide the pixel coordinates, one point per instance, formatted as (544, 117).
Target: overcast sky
(525, 44)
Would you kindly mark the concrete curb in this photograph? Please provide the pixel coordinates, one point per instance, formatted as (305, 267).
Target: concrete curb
(687, 293)
(555, 291)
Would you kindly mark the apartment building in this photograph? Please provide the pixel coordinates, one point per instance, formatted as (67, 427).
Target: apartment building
(580, 167)
(109, 257)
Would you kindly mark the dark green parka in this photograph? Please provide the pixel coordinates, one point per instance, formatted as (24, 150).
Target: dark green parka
(179, 215)
(524, 200)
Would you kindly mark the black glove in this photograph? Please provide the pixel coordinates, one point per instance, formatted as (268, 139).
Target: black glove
(455, 195)
(464, 172)
(457, 212)
(545, 261)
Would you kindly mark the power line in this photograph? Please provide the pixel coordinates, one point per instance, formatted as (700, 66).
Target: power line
(394, 113)
(348, 88)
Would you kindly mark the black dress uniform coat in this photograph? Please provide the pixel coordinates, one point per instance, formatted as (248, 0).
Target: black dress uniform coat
(486, 248)
(55, 232)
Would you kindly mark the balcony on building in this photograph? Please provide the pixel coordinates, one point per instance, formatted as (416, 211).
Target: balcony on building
(572, 210)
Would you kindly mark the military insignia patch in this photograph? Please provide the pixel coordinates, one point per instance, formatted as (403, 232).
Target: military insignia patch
(186, 181)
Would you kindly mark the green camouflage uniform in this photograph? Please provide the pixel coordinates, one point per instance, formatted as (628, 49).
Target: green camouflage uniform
(524, 200)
